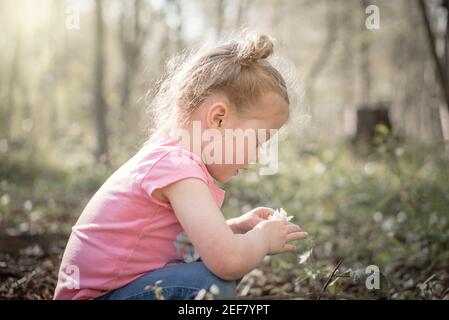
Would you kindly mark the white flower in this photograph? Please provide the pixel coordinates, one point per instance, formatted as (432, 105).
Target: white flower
(214, 289)
(280, 214)
(401, 216)
(370, 168)
(28, 205)
(319, 168)
(5, 199)
(305, 256)
(378, 216)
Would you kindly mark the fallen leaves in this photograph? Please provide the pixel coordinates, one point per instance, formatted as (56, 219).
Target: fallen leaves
(30, 272)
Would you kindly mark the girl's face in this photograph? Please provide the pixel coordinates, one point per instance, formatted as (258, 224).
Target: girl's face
(241, 135)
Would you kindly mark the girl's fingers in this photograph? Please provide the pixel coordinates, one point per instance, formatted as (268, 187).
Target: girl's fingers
(289, 248)
(265, 212)
(297, 236)
(291, 227)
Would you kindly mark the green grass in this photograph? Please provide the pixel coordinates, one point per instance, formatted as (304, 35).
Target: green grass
(389, 208)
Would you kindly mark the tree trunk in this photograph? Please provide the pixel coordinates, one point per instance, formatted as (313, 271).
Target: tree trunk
(442, 68)
(220, 17)
(365, 60)
(242, 12)
(13, 80)
(132, 39)
(368, 118)
(323, 57)
(347, 64)
(99, 106)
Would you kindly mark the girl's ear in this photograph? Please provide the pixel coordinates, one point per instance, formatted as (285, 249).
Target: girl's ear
(216, 115)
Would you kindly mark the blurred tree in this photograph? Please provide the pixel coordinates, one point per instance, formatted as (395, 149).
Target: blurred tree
(12, 79)
(175, 7)
(133, 33)
(220, 16)
(365, 57)
(99, 102)
(347, 62)
(331, 20)
(441, 61)
(242, 12)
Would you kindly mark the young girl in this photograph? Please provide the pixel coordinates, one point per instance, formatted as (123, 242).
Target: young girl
(155, 229)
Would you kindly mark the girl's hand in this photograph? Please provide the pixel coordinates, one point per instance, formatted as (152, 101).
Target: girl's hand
(278, 234)
(249, 220)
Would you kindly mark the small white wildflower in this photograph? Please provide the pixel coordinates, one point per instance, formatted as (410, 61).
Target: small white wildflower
(157, 290)
(28, 205)
(201, 294)
(370, 168)
(214, 289)
(319, 168)
(24, 227)
(388, 224)
(157, 283)
(280, 214)
(305, 256)
(35, 215)
(5, 199)
(399, 152)
(378, 216)
(401, 216)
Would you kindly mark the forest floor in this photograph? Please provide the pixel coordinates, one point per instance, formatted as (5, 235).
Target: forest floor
(390, 214)
(29, 267)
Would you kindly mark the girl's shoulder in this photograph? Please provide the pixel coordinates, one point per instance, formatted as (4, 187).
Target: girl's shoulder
(165, 163)
(166, 158)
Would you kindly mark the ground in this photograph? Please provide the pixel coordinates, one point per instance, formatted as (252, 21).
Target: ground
(389, 210)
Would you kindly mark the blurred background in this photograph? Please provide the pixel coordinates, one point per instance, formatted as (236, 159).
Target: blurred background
(364, 168)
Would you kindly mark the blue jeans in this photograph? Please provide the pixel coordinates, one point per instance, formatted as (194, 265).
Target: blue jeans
(179, 282)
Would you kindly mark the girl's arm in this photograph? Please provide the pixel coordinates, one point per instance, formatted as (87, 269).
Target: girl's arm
(227, 255)
(234, 224)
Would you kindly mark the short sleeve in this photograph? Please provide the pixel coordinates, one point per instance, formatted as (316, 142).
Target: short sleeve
(172, 167)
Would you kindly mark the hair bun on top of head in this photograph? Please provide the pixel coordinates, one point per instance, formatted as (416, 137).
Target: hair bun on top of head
(254, 48)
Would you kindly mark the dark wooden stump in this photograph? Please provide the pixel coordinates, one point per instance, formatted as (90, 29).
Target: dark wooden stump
(368, 120)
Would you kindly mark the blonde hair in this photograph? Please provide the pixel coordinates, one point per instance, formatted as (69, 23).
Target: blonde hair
(237, 68)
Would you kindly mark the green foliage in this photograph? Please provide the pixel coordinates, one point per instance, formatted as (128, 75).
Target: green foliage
(39, 196)
(389, 209)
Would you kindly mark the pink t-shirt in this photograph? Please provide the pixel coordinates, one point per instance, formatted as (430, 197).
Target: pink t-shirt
(124, 231)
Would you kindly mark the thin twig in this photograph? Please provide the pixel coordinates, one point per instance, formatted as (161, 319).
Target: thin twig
(330, 278)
